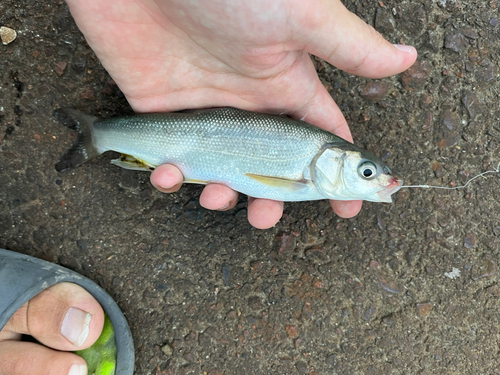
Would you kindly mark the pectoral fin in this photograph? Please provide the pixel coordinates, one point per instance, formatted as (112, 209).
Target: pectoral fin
(279, 182)
(131, 162)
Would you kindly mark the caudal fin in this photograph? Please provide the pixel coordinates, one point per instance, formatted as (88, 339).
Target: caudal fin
(83, 150)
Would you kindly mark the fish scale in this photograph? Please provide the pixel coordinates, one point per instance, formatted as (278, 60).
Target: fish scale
(214, 146)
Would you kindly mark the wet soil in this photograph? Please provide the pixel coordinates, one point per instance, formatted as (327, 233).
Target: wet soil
(403, 288)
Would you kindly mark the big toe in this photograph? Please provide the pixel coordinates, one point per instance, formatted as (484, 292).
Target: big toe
(63, 317)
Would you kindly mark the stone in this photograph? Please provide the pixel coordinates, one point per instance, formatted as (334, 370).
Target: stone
(291, 331)
(384, 21)
(485, 268)
(447, 129)
(416, 75)
(423, 309)
(389, 285)
(87, 94)
(471, 103)
(487, 74)
(79, 65)
(469, 32)
(330, 360)
(167, 349)
(301, 367)
(7, 35)
(374, 91)
(470, 241)
(456, 42)
(60, 67)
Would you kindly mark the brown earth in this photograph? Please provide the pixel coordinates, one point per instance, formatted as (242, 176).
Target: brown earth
(205, 293)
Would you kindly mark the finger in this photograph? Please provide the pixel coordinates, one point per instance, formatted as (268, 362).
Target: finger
(264, 213)
(27, 358)
(347, 42)
(167, 178)
(64, 317)
(324, 113)
(218, 197)
(346, 209)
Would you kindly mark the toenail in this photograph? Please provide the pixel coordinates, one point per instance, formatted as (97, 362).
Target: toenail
(75, 326)
(78, 370)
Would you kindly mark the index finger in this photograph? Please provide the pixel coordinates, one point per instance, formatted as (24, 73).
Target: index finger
(324, 113)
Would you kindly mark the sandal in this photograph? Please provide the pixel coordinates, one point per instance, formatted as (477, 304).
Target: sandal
(22, 277)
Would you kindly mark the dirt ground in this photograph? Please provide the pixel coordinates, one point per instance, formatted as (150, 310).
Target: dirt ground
(403, 288)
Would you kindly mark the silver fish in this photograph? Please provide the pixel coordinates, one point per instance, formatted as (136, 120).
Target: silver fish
(261, 155)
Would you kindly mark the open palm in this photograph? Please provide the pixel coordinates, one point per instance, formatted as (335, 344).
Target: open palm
(168, 55)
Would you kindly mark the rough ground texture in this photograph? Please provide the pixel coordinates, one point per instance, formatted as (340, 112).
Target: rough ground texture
(403, 288)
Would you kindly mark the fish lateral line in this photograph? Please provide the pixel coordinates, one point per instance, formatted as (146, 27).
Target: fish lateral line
(494, 170)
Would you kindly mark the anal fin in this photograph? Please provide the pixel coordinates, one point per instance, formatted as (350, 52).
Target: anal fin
(130, 162)
(279, 182)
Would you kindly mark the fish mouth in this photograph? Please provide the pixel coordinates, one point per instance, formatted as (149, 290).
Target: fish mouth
(395, 183)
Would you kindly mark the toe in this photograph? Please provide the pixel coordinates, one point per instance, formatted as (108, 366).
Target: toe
(27, 358)
(64, 317)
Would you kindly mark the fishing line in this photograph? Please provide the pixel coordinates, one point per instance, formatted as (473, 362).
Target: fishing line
(495, 170)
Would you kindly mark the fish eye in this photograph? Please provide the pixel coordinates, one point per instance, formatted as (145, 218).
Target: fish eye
(367, 170)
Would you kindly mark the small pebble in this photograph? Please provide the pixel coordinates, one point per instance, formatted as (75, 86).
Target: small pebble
(7, 34)
(60, 67)
(470, 241)
(456, 42)
(423, 309)
(301, 367)
(455, 273)
(469, 32)
(416, 75)
(447, 130)
(291, 331)
(471, 103)
(384, 21)
(374, 91)
(390, 286)
(485, 268)
(87, 94)
(167, 349)
(330, 360)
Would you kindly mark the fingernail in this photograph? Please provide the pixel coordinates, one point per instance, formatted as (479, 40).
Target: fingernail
(75, 326)
(405, 48)
(164, 187)
(78, 370)
(224, 207)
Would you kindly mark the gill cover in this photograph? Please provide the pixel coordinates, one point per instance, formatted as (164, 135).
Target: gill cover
(326, 171)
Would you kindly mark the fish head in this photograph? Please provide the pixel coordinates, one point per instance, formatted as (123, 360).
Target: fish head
(351, 173)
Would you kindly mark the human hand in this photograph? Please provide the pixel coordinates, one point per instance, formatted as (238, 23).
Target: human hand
(168, 55)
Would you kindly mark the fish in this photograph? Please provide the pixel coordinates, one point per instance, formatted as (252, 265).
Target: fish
(257, 154)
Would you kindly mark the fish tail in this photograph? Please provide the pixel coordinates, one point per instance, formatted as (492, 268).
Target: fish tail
(83, 150)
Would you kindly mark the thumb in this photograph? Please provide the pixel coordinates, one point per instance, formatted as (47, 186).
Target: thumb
(348, 43)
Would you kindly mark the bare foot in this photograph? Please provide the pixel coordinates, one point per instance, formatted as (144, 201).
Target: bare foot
(64, 317)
